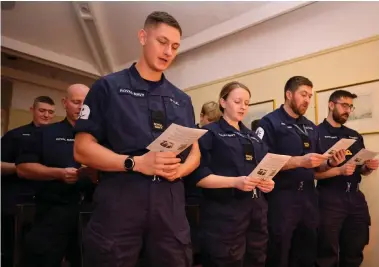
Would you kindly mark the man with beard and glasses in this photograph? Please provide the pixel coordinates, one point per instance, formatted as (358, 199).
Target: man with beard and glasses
(344, 215)
(293, 211)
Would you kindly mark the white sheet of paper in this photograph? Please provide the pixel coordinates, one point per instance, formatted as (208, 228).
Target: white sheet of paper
(270, 165)
(362, 156)
(344, 143)
(176, 138)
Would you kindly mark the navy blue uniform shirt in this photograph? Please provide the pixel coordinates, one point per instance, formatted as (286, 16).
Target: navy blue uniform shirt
(289, 136)
(330, 135)
(13, 187)
(225, 151)
(125, 113)
(53, 146)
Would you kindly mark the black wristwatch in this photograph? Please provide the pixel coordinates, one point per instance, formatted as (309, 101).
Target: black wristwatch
(129, 163)
(330, 165)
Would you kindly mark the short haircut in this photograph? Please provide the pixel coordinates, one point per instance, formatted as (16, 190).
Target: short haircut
(43, 99)
(254, 125)
(295, 82)
(158, 17)
(211, 110)
(341, 93)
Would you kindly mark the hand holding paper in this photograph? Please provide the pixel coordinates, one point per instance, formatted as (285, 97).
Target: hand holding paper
(362, 156)
(176, 139)
(270, 165)
(341, 144)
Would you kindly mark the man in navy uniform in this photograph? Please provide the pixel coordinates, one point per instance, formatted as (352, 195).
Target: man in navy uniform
(49, 159)
(13, 189)
(344, 214)
(293, 211)
(140, 199)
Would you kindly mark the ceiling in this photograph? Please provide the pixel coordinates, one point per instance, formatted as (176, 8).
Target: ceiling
(95, 38)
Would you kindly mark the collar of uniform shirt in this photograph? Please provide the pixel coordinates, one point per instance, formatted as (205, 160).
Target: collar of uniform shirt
(334, 130)
(290, 120)
(139, 83)
(230, 129)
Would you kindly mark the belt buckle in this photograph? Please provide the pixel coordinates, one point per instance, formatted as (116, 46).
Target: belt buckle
(255, 194)
(301, 186)
(156, 178)
(348, 187)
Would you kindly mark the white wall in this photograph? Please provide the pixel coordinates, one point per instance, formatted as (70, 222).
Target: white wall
(310, 29)
(24, 94)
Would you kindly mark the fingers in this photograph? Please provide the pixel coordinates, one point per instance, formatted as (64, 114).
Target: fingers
(251, 181)
(165, 155)
(319, 156)
(167, 160)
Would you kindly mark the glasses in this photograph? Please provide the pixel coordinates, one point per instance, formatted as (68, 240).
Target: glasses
(346, 106)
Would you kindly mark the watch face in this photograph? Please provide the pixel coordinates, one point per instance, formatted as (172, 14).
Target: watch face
(129, 163)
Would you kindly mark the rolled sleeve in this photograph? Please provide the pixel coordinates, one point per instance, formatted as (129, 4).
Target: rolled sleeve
(204, 170)
(92, 116)
(266, 132)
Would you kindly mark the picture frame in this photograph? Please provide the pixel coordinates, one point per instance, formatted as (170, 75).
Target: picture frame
(258, 110)
(365, 118)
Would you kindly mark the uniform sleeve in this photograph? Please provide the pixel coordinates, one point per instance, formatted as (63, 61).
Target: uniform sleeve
(32, 149)
(93, 114)
(205, 144)
(360, 138)
(7, 150)
(320, 149)
(266, 132)
(191, 114)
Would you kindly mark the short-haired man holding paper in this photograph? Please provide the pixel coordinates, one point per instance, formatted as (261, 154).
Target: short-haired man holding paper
(344, 215)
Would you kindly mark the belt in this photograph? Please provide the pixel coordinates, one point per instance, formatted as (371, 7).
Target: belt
(348, 187)
(230, 193)
(295, 186)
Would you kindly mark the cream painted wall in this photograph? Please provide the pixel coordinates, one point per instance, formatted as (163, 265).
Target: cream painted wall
(22, 99)
(310, 29)
(349, 64)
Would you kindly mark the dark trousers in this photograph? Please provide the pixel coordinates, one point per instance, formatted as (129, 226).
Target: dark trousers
(132, 212)
(10, 197)
(7, 239)
(234, 232)
(53, 237)
(292, 223)
(344, 228)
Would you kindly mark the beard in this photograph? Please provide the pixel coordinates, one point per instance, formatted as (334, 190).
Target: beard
(296, 108)
(339, 117)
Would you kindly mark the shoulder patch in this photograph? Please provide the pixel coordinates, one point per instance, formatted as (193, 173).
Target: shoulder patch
(260, 132)
(84, 112)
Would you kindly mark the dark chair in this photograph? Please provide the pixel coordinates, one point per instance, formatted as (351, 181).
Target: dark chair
(24, 219)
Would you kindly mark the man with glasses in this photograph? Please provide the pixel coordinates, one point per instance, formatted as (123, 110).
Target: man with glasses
(344, 215)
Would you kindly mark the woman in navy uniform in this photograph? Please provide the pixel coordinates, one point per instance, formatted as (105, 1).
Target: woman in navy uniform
(140, 199)
(233, 211)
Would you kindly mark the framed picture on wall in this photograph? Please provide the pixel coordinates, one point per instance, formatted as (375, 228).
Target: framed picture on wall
(365, 117)
(258, 110)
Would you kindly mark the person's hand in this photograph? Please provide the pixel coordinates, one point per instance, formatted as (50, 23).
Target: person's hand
(347, 169)
(162, 164)
(337, 158)
(69, 175)
(312, 160)
(246, 183)
(266, 185)
(372, 164)
(91, 173)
